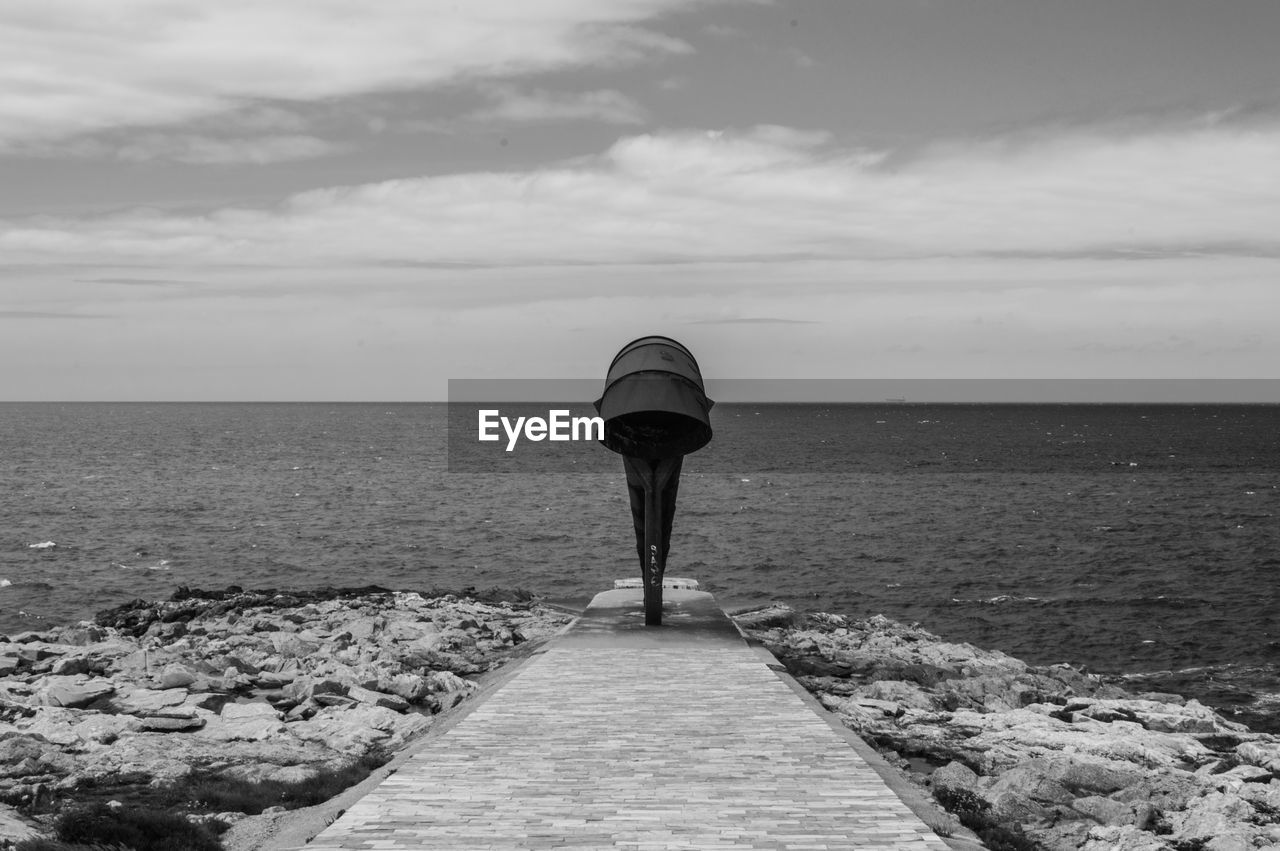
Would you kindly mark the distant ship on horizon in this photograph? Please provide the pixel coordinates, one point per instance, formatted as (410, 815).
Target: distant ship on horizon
(898, 400)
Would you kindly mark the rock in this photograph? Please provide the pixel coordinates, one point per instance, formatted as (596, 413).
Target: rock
(71, 665)
(1263, 754)
(1033, 780)
(871, 705)
(1062, 836)
(1190, 716)
(104, 729)
(409, 631)
(1000, 740)
(953, 776)
(377, 698)
(171, 722)
(1166, 790)
(1239, 775)
(266, 772)
(237, 664)
(1011, 805)
(362, 629)
(904, 694)
(1215, 816)
(274, 679)
(244, 722)
(74, 691)
(28, 637)
(81, 635)
(1083, 774)
(293, 646)
(176, 675)
(772, 616)
(210, 701)
(1104, 810)
(145, 701)
(56, 726)
(341, 729)
(1125, 838)
(411, 687)
(446, 681)
(301, 712)
(15, 827)
(32, 756)
(303, 688)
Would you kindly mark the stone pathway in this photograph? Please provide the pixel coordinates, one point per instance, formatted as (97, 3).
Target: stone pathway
(621, 736)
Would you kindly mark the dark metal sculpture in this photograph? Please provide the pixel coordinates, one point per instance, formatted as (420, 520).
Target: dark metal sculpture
(655, 410)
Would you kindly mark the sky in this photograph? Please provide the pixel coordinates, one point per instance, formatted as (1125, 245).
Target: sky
(334, 200)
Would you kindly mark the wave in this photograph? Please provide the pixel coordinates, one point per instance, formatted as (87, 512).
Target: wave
(1158, 601)
(1226, 669)
(159, 564)
(1002, 598)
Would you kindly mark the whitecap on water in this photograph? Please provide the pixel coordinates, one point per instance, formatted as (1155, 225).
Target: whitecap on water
(43, 545)
(1000, 598)
(159, 564)
(5, 583)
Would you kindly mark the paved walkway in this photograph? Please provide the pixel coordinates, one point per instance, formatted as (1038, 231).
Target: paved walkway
(626, 736)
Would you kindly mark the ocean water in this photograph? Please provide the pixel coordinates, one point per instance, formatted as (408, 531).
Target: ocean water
(1137, 540)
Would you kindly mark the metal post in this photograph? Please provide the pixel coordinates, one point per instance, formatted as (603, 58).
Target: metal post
(653, 561)
(656, 475)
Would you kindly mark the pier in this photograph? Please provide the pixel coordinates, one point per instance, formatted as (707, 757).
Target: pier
(618, 735)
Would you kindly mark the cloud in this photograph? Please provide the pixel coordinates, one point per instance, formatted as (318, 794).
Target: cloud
(606, 105)
(138, 282)
(75, 67)
(769, 194)
(205, 150)
(190, 148)
(47, 314)
(753, 320)
(723, 31)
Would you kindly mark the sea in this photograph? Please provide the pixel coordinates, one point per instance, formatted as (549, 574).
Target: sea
(1136, 541)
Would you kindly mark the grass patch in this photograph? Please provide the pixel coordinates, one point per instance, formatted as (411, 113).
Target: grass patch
(223, 794)
(55, 845)
(943, 825)
(975, 814)
(99, 826)
(154, 820)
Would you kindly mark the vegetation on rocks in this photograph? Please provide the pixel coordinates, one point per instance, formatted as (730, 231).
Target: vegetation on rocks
(220, 794)
(99, 826)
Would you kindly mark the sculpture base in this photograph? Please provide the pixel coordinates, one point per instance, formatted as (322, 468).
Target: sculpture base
(668, 583)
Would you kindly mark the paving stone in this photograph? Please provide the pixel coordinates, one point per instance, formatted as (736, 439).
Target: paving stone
(674, 744)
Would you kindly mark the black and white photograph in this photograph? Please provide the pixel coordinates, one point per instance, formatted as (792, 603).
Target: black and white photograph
(639, 424)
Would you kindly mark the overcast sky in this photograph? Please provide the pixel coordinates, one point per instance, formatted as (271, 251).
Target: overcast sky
(339, 200)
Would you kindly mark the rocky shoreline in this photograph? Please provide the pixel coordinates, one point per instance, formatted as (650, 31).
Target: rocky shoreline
(262, 689)
(1036, 757)
(164, 704)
